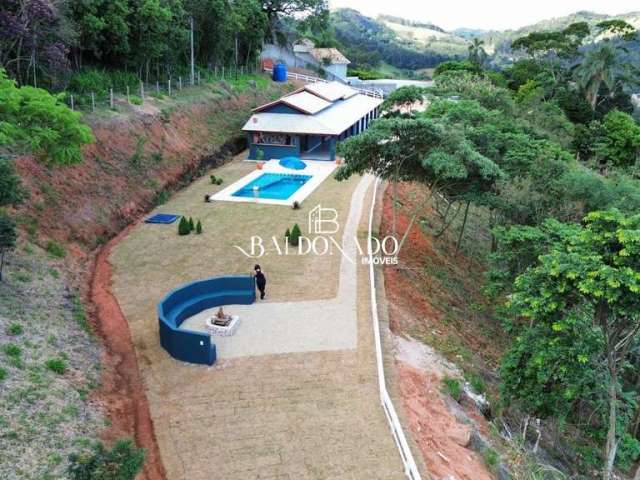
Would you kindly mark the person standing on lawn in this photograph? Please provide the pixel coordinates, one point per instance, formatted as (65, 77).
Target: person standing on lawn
(261, 281)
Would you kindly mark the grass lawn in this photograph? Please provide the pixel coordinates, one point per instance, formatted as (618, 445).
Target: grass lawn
(154, 259)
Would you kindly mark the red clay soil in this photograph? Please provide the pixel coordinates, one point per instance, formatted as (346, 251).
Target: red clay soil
(442, 439)
(418, 303)
(122, 392)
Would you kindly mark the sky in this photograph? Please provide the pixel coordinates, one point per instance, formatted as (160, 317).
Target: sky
(484, 14)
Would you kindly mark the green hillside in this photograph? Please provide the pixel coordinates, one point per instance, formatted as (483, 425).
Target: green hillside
(369, 42)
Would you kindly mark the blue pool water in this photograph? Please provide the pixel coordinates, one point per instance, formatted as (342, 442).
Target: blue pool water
(275, 186)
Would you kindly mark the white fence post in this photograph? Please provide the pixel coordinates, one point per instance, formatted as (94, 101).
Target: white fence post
(142, 91)
(223, 72)
(111, 98)
(157, 86)
(72, 101)
(128, 99)
(179, 83)
(93, 102)
(169, 84)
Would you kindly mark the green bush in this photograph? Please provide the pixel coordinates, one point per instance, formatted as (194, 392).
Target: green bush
(183, 226)
(192, 226)
(491, 458)
(476, 382)
(90, 80)
(55, 249)
(219, 181)
(3, 374)
(628, 452)
(214, 180)
(15, 329)
(56, 365)
(287, 235)
(294, 237)
(199, 227)
(452, 387)
(260, 155)
(122, 462)
(135, 100)
(12, 350)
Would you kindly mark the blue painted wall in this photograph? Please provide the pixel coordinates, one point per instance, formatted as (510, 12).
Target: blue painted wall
(190, 299)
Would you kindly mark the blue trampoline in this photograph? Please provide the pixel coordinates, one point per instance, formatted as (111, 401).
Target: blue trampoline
(294, 163)
(164, 218)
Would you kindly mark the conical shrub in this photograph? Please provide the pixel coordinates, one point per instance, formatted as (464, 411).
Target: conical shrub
(294, 238)
(199, 227)
(183, 227)
(192, 226)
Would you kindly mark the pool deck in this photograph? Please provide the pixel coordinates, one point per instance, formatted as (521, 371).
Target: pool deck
(319, 170)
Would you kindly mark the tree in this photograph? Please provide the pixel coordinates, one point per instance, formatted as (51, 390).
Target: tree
(420, 150)
(587, 281)
(403, 99)
(561, 43)
(477, 53)
(274, 9)
(35, 120)
(11, 191)
(183, 226)
(122, 462)
(618, 140)
(7, 237)
(455, 66)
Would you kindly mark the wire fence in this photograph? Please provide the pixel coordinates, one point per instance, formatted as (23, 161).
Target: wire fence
(140, 93)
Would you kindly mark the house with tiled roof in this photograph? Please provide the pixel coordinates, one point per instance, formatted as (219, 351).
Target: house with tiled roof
(309, 122)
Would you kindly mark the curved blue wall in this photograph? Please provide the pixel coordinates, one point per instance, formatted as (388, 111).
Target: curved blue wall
(190, 299)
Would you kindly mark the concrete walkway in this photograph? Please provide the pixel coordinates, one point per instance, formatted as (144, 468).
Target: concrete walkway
(288, 327)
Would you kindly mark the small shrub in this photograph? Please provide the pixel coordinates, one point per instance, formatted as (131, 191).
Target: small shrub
(15, 329)
(122, 462)
(491, 458)
(156, 157)
(135, 100)
(12, 350)
(80, 315)
(55, 249)
(192, 226)
(161, 197)
(260, 155)
(214, 180)
(452, 387)
(3, 374)
(476, 382)
(294, 238)
(199, 227)
(183, 227)
(295, 205)
(287, 235)
(56, 365)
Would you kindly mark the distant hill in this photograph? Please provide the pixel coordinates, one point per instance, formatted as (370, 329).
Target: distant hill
(499, 42)
(414, 45)
(398, 42)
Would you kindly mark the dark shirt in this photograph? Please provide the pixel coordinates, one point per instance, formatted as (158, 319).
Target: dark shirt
(261, 280)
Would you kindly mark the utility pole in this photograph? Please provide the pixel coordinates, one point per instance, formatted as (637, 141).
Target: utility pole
(236, 56)
(192, 57)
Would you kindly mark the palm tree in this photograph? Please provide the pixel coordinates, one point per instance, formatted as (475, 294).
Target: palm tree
(477, 53)
(600, 67)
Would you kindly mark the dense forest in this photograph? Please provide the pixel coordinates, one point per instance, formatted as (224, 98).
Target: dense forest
(547, 153)
(42, 43)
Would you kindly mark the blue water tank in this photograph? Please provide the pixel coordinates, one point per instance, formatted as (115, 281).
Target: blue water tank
(280, 72)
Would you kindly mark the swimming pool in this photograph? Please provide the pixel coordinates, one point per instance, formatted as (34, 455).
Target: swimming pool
(275, 186)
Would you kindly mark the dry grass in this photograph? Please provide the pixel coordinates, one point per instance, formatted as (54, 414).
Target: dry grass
(154, 259)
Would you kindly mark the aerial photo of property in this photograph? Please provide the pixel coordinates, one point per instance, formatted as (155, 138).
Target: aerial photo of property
(319, 240)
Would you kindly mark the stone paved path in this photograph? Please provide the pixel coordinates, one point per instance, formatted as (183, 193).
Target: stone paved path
(307, 415)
